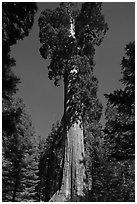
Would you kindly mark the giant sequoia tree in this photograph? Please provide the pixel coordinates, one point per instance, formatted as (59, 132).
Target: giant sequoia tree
(68, 39)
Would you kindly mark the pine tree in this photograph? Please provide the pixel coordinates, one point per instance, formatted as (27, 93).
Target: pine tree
(13, 145)
(17, 148)
(30, 177)
(120, 133)
(50, 168)
(120, 113)
(17, 20)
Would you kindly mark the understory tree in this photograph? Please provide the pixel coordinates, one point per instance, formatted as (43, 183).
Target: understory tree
(113, 165)
(120, 113)
(18, 153)
(120, 126)
(17, 20)
(50, 163)
(114, 175)
(68, 38)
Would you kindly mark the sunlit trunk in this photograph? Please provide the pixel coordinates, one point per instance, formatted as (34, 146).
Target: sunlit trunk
(73, 182)
(74, 177)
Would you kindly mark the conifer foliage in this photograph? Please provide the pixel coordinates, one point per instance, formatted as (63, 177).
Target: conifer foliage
(17, 130)
(17, 20)
(68, 39)
(120, 113)
(32, 167)
(113, 166)
(20, 165)
(30, 170)
(50, 162)
(73, 49)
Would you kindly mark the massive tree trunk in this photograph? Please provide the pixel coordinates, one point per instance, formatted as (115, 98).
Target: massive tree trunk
(74, 177)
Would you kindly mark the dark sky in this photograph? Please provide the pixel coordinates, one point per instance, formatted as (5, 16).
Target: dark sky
(44, 101)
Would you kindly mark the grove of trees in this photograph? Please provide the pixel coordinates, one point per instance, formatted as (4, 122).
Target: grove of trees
(19, 162)
(33, 168)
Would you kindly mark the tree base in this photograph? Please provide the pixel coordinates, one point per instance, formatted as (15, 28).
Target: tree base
(60, 197)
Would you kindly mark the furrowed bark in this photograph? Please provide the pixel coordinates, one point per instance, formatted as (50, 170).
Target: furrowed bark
(74, 177)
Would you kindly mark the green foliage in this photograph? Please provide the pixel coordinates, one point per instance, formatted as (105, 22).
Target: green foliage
(120, 113)
(118, 178)
(90, 28)
(30, 179)
(18, 152)
(81, 97)
(112, 181)
(128, 67)
(9, 80)
(57, 42)
(68, 52)
(51, 163)
(111, 157)
(17, 20)
(71, 58)
(13, 144)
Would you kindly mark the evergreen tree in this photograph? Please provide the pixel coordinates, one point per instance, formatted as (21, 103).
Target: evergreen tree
(17, 20)
(68, 38)
(119, 140)
(20, 154)
(50, 168)
(30, 177)
(41, 169)
(14, 143)
(120, 113)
